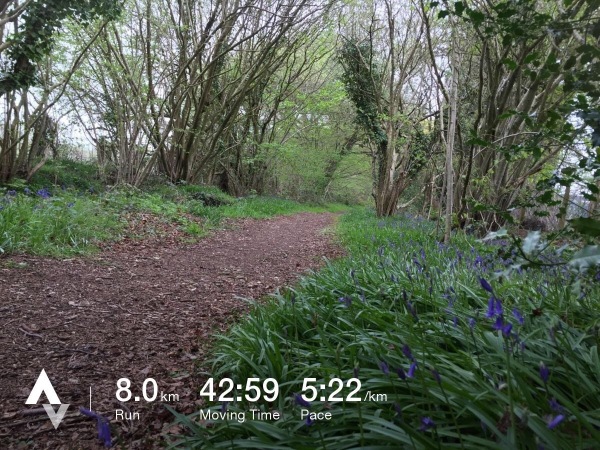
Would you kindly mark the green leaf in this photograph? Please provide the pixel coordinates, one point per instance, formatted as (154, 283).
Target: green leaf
(459, 7)
(586, 226)
(477, 17)
(443, 13)
(511, 64)
(531, 57)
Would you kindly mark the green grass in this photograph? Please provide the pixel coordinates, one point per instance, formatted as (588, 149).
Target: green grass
(400, 299)
(73, 220)
(59, 226)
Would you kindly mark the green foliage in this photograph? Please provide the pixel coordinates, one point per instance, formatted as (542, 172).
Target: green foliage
(64, 224)
(74, 218)
(362, 79)
(399, 299)
(38, 27)
(68, 173)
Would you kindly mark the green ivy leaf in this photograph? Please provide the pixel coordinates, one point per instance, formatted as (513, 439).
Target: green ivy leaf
(459, 7)
(586, 226)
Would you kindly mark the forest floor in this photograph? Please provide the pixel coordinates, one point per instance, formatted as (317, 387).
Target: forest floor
(141, 308)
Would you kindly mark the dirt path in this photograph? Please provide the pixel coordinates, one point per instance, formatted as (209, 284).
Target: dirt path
(137, 310)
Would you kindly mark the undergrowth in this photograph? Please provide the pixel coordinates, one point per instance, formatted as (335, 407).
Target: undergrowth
(74, 216)
(449, 353)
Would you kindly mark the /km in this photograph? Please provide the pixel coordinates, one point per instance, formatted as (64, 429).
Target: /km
(371, 397)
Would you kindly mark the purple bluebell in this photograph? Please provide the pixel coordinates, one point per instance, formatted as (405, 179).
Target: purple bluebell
(224, 406)
(499, 324)
(436, 376)
(44, 193)
(498, 307)
(355, 371)
(517, 315)
(102, 425)
(506, 329)
(556, 407)
(426, 424)
(411, 370)
(300, 401)
(309, 422)
(491, 309)
(70, 205)
(401, 373)
(472, 323)
(398, 409)
(11, 193)
(27, 191)
(544, 373)
(384, 367)
(553, 422)
(486, 285)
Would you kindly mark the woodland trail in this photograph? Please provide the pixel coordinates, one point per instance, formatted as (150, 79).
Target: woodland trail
(139, 309)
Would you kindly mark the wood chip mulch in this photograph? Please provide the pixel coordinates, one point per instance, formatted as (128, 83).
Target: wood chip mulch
(142, 308)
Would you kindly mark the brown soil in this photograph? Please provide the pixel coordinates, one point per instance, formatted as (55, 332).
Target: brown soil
(139, 309)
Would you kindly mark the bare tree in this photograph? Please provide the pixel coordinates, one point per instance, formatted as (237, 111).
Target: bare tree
(383, 74)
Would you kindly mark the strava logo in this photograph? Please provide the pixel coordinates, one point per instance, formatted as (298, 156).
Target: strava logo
(43, 386)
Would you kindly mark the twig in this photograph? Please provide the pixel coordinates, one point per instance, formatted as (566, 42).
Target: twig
(32, 334)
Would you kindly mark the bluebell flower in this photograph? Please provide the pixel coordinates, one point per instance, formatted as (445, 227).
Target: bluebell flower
(426, 424)
(401, 373)
(499, 324)
(491, 308)
(411, 370)
(384, 367)
(398, 409)
(11, 193)
(309, 422)
(102, 424)
(517, 315)
(27, 191)
(486, 285)
(70, 205)
(556, 407)
(506, 329)
(472, 323)
(224, 406)
(300, 401)
(436, 376)
(44, 193)
(355, 371)
(553, 422)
